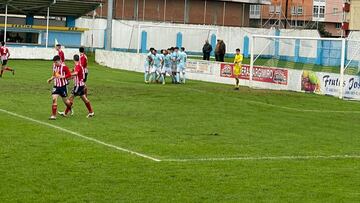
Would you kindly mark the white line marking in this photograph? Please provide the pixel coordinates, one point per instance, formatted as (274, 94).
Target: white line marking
(81, 136)
(266, 158)
(276, 106)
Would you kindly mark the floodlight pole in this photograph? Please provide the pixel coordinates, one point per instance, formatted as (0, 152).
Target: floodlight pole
(109, 25)
(47, 27)
(6, 19)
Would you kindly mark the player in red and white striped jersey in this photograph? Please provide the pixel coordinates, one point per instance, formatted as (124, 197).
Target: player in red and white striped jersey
(84, 64)
(60, 52)
(5, 54)
(79, 88)
(60, 76)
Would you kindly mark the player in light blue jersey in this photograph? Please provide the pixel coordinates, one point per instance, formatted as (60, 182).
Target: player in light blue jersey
(182, 66)
(166, 64)
(148, 64)
(175, 60)
(156, 68)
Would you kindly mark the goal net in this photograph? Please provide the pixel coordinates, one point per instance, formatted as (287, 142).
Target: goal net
(307, 64)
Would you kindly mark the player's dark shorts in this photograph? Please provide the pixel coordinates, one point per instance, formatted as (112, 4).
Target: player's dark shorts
(62, 91)
(4, 62)
(78, 91)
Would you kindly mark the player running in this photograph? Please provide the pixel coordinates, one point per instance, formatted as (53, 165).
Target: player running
(167, 64)
(182, 66)
(61, 74)
(148, 64)
(79, 88)
(84, 64)
(237, 67)
(5, 54)
(60, 52)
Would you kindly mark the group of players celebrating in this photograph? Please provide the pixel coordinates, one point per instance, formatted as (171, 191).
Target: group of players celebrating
(170, 62)
(61, 75)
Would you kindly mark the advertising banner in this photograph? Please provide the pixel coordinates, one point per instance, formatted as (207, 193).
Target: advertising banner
(329, 84)
(260, 74)
(199, 67)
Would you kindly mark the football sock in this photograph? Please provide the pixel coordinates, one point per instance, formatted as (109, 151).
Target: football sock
(68, 108)
(178, 77)
(146, 76)
(54, 109)
(88, 106)
(8, 68)
(184, 78)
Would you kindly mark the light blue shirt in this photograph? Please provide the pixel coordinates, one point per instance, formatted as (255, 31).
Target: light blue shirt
(157, 60)
(167, 60)
(183, 57)
(175, 56)
(148, 56)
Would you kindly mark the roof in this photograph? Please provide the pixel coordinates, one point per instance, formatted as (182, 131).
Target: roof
(59, 8)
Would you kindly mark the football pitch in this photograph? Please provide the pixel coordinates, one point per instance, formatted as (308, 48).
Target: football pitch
(199, 142)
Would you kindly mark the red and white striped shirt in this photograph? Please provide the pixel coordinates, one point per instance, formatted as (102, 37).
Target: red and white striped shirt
(84, 61)
(5, 53)
(63, 71)
(79, 78)
(62, 55)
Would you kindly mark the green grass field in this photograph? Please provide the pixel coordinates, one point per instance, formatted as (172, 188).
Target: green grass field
(215, 144)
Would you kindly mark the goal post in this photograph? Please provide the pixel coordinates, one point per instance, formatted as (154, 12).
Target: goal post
(314, 64)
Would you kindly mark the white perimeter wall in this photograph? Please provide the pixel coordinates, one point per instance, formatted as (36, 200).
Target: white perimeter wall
(39, 53)
(125, 36)
(135, 62)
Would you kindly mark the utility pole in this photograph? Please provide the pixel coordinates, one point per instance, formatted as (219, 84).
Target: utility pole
(286, 13)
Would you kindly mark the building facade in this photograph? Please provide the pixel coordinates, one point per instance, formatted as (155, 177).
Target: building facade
(210, 12)
(299, 14)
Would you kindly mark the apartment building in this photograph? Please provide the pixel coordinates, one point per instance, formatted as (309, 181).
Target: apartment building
(299, 14)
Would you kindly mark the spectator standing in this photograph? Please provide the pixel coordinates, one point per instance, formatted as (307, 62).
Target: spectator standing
(207, 49)
(220, 50)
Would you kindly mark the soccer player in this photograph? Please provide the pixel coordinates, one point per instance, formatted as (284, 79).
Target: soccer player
(61, 74)
(182, 66)
(175, 60)
(84, 64)
(237, 67)
(156, 68)
(60, 52)
(79, 88)
(5, 54)
(148, 64)
(167, 64)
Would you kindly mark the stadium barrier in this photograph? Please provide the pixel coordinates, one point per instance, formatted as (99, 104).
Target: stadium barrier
(263, 77)
(39, 53)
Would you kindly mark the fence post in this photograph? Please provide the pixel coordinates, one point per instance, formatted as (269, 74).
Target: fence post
(342, 68)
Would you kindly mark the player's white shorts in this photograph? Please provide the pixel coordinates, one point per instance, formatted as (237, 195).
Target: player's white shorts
(181, 68)
(147, 67)
(155, 69)
(166, 69)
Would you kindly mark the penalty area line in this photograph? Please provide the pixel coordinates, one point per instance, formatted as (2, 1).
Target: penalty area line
(81, 136)
(315, 157)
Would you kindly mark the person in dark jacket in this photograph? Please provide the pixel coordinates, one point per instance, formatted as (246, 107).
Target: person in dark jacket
(220, 51)
(207, 49)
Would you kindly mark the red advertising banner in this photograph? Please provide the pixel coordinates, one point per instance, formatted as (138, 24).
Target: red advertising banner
(260, 74)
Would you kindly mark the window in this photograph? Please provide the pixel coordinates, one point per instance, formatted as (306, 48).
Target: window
(335, 11)
(271, 9)
(322, 12)
(299, 10)
(254, 9)
(319, 11)
(278, 9)
(338, 25)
